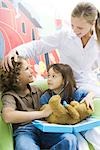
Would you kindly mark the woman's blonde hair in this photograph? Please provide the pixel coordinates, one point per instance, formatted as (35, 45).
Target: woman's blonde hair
(90, 13)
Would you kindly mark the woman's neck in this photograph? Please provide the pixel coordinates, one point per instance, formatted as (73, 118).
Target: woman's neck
(86, 38)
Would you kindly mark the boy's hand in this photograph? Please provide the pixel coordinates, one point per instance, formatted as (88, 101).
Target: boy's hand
(46, 109)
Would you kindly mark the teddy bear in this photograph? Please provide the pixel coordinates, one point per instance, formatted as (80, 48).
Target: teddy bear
(69, 114)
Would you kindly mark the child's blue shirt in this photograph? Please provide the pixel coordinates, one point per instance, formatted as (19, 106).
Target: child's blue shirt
(78, 95)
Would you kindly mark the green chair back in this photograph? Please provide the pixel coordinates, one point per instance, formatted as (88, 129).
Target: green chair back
(6, 139)
(96, 113)
(42, 84)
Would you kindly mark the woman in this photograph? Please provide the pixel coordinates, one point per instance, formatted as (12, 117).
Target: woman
(80, 50)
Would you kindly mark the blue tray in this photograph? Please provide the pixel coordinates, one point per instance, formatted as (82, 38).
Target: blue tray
(86, 124)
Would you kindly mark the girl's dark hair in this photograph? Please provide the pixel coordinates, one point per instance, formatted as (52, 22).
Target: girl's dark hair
(8, 80)
(67, 74)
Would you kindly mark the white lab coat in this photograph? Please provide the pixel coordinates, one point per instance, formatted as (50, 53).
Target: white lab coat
(71, 52)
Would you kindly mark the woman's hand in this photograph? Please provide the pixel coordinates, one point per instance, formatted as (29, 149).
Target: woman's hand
(89, 100)
(6, 62)
(89, 103)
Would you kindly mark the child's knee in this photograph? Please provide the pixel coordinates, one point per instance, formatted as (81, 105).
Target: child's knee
(71, 138)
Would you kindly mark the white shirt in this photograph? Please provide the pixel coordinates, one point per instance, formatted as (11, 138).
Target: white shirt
(71, 52)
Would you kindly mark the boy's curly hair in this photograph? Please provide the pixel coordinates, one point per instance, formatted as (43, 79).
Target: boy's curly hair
(8, 80)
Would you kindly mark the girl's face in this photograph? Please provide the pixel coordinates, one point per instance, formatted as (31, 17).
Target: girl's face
(55, 80)
(25, 76)
(80, 26)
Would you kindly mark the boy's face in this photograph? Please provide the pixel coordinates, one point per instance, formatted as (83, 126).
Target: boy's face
(55, 80)
(26, 75)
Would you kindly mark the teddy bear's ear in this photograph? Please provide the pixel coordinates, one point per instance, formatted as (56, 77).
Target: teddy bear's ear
(56, 96)
(74, 103)
(55, 99)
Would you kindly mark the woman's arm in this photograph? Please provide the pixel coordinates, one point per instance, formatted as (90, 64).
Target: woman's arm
(32, 48)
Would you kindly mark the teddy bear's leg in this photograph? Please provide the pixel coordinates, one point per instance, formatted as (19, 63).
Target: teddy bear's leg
(72, 112)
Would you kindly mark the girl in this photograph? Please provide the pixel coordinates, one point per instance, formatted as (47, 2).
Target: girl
(20, 107)
(80, 49)
(61, 81)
